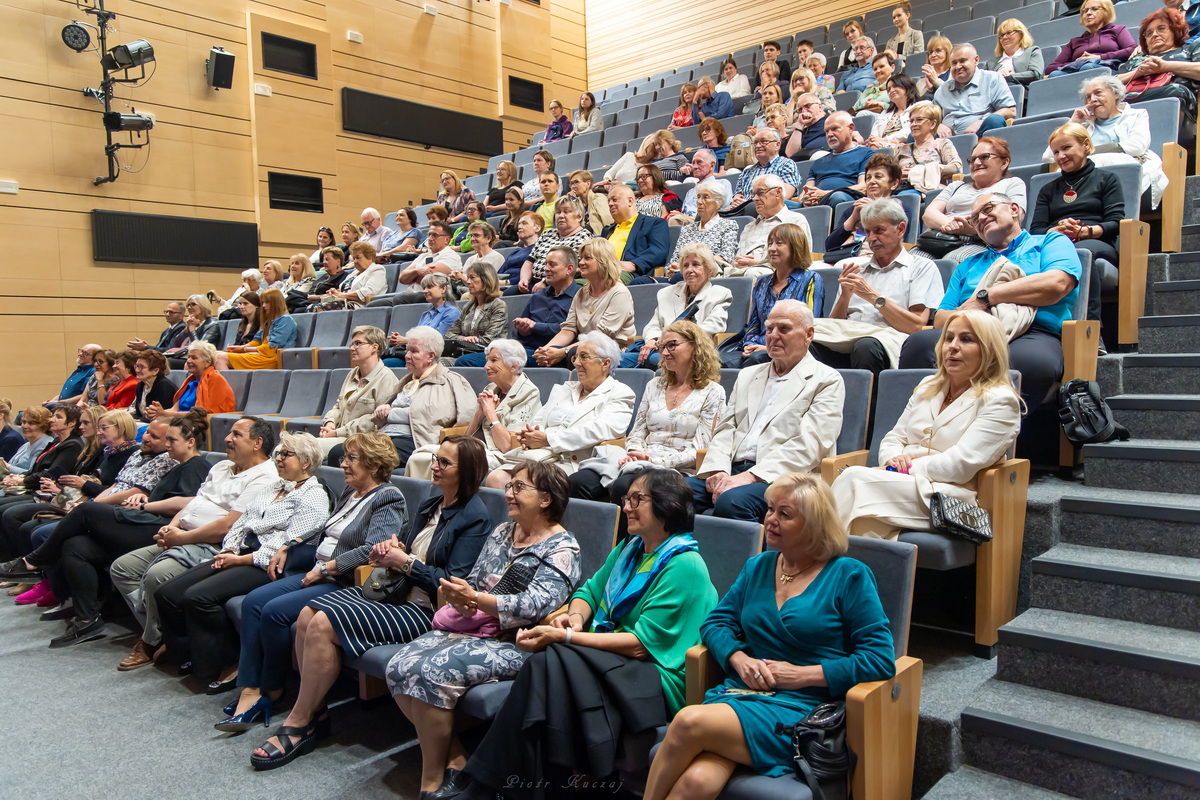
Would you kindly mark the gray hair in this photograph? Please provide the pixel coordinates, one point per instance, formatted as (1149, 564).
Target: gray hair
(706, 154)
(705, 79)
(305, 446)
(428, 338)
(866, 39)
(511, 352)
(201, 301)
(884, 209)
(253, 273)
(772, 132)
(769, 181)
(434, 279)
(371, 213)
(719, 190)
(604, 346)
(819, 56)
(1114, 85)
(205, 349)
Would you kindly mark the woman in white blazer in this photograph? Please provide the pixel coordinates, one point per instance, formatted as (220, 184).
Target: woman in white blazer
(577, 416)
(695, 299)
(958, 422)
(507, 404)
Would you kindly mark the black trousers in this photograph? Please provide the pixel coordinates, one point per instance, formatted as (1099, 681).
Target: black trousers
(17, 524)
(866, 354)
(1098, 250)
(85, 544)
(195, 625)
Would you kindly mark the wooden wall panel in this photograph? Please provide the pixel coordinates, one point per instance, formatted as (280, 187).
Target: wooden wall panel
(211, 150)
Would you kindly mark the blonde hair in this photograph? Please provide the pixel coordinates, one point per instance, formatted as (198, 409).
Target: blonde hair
(1073, 130)
(647, 152)
(1106, 7)
(275, 265)
(769, 67)
(683, 90)
(705, 254)
(666, 137)
(706, 363)
(823, 528)
(92, 443)
(931, 110)
(375, 452)
(123, 421)
(606, 259)
(993, 347)
(510, 167)
(939, 43)
(806, 74)
(1008, 26)
(38, 416)
(6, 407)
(458, 184)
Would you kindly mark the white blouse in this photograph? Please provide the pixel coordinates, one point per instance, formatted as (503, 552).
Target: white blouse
(671, 437)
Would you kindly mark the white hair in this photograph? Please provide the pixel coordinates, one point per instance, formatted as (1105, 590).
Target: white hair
(206, 349)
(819, 56)
(769, 181)
(511, 353)
(866, 39)
(256, 274)
(719, 190)
(1110, 81)
(795, 308)
(604, 346)
(371, 213)
(305, 446)
(887, 209)
(428, 337)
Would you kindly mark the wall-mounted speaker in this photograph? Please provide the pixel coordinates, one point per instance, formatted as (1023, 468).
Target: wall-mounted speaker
(219, 68)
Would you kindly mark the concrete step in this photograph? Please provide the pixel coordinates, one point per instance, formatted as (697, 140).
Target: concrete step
(1081, 747)
(1152, 465)
(968, 783)
(1179, 333)
(1177, 297)
(1159, 374)
(1148, 588)
(1126, 663)
(1158, 416)
(1145, 522)
(1191, 237)
(1184, 266)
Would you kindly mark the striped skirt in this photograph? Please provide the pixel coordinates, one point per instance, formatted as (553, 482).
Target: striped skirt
(361, 624)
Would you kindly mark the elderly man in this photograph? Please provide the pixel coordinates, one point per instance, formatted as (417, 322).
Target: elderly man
(642, 242)
(974, 100)
(73, 386)
(768, 194)
(858, 78)
(374, 231)
(172, 336)
(767, 161)
(708, 103)
(882, 297)
(369, 384)
(783, 416)
(440, 258)
(191, 536)
(704, 164)
(809, 136)
(837, 177)
(1050, 285)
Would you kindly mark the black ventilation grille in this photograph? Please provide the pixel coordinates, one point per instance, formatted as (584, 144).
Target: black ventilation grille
(178, 241)
(392, 118)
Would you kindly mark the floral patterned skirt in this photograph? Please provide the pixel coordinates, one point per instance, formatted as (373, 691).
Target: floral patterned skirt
(439, 667)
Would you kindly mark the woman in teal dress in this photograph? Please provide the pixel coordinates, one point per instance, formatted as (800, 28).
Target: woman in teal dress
(800, 627)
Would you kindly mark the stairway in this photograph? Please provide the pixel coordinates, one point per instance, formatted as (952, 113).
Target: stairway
(1097, 684)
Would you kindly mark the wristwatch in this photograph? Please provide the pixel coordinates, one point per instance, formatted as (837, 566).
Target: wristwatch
(324, 570)
(982, 296)
(880, 302)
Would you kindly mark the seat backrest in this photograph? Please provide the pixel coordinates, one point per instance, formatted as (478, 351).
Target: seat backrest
(514, 307)
(494, 161)
(946, 267)
(213, 457)
(557, 148)
(330, 329)
(726, 545)
(970, 29)
(334, 478)
(652, 124)
(645, 302)
(404, 317)
(304, 328)
(475, 376)
(1129, 175)
(1164, 121)
(1027, 140)
(497, 506)
(895, 388)
(844, 101)
(1059, 94)
(689, 137)
(229, 329)
(377, 317)
(818, 222)
(336, 378)
(728, 379)
(305, 392)
(478, 184)
(586, 141)
(665, 106)
(829, 280)
(637, 379)
(267, 387)
(621, 132)
(1062, 29)
(567, 164)
(856, 409)
(1132, 13)
(546, 378)
(894, 565)
(415, 490)
(817, 35)
(239, 381)
(739, 308)
(601, 158)
(594, 525)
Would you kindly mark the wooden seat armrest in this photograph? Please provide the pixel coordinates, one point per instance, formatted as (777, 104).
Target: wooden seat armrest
(700, 454)
(1133, 256)
(457, 430)
(881, 728)
(833, 466)
(1002, 490)
(701, 673)
(361, 574)
(615, 442)
(1174, 161)
(720, 337)
(1080, 344)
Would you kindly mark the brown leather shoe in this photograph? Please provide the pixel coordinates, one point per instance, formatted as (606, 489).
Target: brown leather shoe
(141, 655)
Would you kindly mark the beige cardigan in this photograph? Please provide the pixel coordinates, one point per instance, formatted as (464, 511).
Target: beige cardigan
(611, 314)
(355, 405)
(443, 400)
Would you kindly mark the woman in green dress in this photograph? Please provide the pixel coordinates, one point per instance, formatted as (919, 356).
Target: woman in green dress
(801, 626)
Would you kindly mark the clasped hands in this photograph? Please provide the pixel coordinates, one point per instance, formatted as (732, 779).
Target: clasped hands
(721, 482)
(390, 554)
(765, 675)
(532, 438)
(169, 536)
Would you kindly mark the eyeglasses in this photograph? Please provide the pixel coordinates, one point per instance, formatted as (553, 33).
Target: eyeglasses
(359, 344)
(585, 356)
(763, 142)
(761, 192)
(443, 463)
(282, 454)
(516, 487)
(350, 458)
(634, 499)
(986, 208)
(669, 347)
(982, 158)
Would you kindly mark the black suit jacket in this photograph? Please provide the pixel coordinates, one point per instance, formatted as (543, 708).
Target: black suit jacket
(457, 540)
(171, 337)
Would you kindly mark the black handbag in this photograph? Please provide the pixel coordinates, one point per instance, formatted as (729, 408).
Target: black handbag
(1085, 417)
(389, 586)
(822, 753)
(960, 519)
(938, 243)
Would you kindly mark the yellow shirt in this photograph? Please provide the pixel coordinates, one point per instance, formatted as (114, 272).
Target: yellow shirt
(546, 212)
(620, 235)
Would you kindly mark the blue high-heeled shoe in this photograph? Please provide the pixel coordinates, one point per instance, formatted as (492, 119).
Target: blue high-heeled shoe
(229, 709)
(238, 723)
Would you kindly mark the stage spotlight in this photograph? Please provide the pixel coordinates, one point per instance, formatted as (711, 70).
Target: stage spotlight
(116, 121)
(76, 37)
(128, 56)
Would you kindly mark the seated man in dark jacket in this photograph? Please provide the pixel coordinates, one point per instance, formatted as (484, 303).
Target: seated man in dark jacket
(642, 243)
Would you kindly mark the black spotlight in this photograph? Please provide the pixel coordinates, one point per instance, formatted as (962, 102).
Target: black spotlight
(76, 37)
(128, 56)
(116, 121)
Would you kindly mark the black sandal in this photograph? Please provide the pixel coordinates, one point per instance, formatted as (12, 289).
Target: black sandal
(291, 751)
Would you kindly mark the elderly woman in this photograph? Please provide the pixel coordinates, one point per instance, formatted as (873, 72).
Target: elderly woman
(715, 138)
(506, 179)
(653, 198)
(195, 625)
(103, 379)
(560, 126)
(908, 40)
(816, 64)
(695, 298)
(682, 117)
(58, 457)
(368, 383)
(958, 421)
(440, 315)
(454, 196)
(122, 393)
(429, 674)
(369, 511)
(301, 275)
(892, 127)
(595, 205)
(204, 386)
(543, 162)
(587, 116)
(805, 82)
(577, 416)
(800, 627)
(789, 256)
(1084, 203)
(636, 617)
(513, 205)
(35, 438)
(273, 275)
(603, 305)
(1018, 59)
(370, 279)
(153, 385)
(252, 280)
(674, 421)
(430, 398)
(668, 157)
(1102, 40)
(278, 332)
(1164, 68)
(482, 317)
(1120, 133)
(926, 162)
(936, 68)
(569, 231)
(482, 238)
(444, 540)
(709, 228)
(324, 239)
(506, 404)
(733, 83)
(948, 231)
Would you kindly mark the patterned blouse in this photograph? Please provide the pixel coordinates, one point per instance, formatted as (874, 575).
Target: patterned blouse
(721, 236)
(549, 240)
(937, 151)
(672, 437)
(556, 560)
(892, 126)
(143, 471)
(459, 206)
(651, 206)
(298, 514)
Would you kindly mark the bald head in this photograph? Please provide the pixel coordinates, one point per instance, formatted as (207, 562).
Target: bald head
(789, 333)
(621, 203)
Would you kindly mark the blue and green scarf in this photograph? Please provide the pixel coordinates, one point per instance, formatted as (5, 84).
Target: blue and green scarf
(626, 584)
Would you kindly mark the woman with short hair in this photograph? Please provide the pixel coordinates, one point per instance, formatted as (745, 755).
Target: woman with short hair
(461, 240)
(35, 434)
(506, 404)
(1102, 40)
(204, 387)
(595, 205)
(1018, 59)
(273, 275)
(453, 195)
(653, 198)
(603, 304)
(122, 393)
(892, 126)
(441, 314)
(278, 332)
(482, 241)
(709, 228)
(569, 231)
(151, 370)
(543, 162)
(408, 237)
(789, 256)
(368, 280)
(927, 162)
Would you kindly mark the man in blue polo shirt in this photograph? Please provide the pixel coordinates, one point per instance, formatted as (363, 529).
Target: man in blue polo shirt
(76, 382)
(1051, 284)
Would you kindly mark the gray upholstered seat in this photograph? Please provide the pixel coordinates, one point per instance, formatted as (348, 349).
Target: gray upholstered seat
(267, 387)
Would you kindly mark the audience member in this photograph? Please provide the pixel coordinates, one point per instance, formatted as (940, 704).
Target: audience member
(602, 305)
(588, 118)
(640, 242)
(804, 82)
(408, 238)
(1102, 40)
(10, 438)
(809, 136)
(332, 276)
(1191, 17)
(324, 239)
(103, 378)
(703, 166)
(769, 75)
(440, 258)
(201, 326)
(927, 161)
(816, 64)
(881, 178)
(454, 196)
(752, 259)
(171, 335)
(974, 100)
(543, 161)
(708, 103)
(278, 331)
(626, 167)
(595, 205)
(653, 197)
(770, 95)
(273, 275)
(568, 232)
(251, 283)
(893, 125)
(874, 97)
(483, 316)
(733, 83)
(369, 384)
(771, 55)
(767, 161)
(351, 233)
(544, 208)
(936, 69)
(851, 32)
(506, 180)
(709, 228)
(514, 207)
(375, 233)
(509, 400)
(714, 137)
(1167, 66)
(204, 387)
(461, 240)
(860, 77)
(1018, 59)
(121, 394)
(483, 240)
(153, 386)
(529, 230)
(837, 177)
(560, 126)
(908, 40)
(682, 118)
(368, 280)
(35, 434)
(73, 387)
(296, 289)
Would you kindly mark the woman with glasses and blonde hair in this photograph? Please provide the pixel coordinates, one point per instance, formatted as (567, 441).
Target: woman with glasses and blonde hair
(958, 421)
(936, 69)
(1102, 40)
(454, 196)
(1018, 59)
(927, 162)
(603, 305)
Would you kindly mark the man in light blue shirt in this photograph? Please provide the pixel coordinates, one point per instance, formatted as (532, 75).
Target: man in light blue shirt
(862, 76)
(708, 103)
(974, 100)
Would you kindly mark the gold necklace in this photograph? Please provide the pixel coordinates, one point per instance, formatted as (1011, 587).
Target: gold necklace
(786, 577)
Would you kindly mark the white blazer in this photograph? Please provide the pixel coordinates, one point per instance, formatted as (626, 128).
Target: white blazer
(603, 414)
(712, 315)
(806, 419)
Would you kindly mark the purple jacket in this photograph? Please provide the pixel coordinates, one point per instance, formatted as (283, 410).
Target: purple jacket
(1111, 42)
(560, 128)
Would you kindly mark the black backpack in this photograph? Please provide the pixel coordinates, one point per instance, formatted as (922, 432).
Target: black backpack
(1085, 417)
